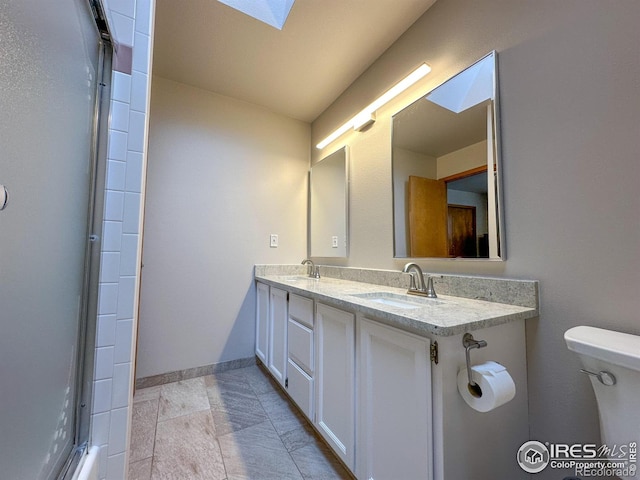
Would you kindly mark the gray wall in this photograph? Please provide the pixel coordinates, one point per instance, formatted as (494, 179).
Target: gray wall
(570, 100)
(222, 176)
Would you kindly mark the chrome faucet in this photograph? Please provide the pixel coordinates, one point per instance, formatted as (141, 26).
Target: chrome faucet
(423, 290)
(313, 271)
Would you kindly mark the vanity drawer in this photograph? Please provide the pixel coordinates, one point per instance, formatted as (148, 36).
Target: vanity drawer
(300, 388)
(301, 345)
(301, 309)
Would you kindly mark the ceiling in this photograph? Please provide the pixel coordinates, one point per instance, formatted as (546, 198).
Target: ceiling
(427, 128)
(297, 71)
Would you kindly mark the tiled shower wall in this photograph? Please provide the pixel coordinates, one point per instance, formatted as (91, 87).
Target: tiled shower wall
(131, 25)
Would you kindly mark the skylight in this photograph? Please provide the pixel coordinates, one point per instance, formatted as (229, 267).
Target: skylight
(467, 89)
(271, 12)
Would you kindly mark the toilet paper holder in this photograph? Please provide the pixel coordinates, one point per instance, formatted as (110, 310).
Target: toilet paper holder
(469, 343)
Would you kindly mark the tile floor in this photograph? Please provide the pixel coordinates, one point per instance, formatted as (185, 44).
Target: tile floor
(232, 425)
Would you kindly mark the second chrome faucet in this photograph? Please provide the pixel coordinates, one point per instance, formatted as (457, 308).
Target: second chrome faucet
(418, 287)
(313, 271)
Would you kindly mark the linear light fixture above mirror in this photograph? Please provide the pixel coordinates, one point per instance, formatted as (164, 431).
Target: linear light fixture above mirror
(367, 115)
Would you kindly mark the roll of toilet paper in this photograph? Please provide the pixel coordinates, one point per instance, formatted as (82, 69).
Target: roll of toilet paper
(495, 386)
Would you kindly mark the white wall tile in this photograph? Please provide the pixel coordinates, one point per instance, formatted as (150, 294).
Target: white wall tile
(124, 7)
(114, 206)
(111, 410)
(136, 131)
(102, 396)
(126, 293)
(123, 28)
(107, 298)
(104, 363)
(111, 236)
(109, 267)
(106, 334)
(124, 340)
(121, 385)
(117, 146)
(139, 86)
(116, 175)
(121, 87)
(116, 467)
(131, 219)
(119, 116)
(129, 255)
(141, 52)
(100, 428)
(143, 16)
(118, 430)
(102, 465)
(133, 175)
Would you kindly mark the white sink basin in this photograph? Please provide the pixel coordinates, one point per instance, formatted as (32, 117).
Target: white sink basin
(291, 279)
(297, 278)
(395, 300)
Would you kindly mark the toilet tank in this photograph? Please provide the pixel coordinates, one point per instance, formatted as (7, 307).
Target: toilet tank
(616, 348)
(618, 354)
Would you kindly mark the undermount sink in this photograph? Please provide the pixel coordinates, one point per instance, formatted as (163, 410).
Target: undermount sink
(291, 279)
(297, 278)
(395, 300)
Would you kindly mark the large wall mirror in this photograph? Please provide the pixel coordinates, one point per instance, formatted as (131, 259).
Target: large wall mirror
(446, 170)
(328, 206)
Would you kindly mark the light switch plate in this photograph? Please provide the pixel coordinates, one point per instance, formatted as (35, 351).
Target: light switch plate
(334, 241)
(273, 240)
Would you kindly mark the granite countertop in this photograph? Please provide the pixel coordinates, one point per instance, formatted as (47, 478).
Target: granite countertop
(444, 316)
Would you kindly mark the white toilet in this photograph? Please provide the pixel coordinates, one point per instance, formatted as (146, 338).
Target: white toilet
(612, 360)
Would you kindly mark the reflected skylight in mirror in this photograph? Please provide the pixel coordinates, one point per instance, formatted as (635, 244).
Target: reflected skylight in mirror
(271, 12)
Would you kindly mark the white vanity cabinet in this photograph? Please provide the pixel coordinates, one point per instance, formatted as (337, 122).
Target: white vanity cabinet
(284, 342)
(367, 383)
(335, 380)
(271, 329)
(300, 368)
(262, 321)
(277, 354)
(394, 437)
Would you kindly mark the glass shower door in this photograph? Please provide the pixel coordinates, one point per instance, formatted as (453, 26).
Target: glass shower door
(49, 55)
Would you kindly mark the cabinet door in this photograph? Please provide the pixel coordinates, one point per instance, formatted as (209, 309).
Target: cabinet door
(277, 353)
(262, 321)
(394, 416)
(335, 380)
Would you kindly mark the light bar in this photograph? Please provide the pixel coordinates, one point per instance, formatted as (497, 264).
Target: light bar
(358, 122)
(336, 134)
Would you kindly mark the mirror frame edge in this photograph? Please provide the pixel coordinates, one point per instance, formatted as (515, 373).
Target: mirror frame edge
(497, 146)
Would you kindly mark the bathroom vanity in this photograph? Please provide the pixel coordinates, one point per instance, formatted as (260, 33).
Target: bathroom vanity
(375, 370)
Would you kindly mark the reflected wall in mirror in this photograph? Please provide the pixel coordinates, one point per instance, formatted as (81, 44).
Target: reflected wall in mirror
(446, 169)
(328, 206)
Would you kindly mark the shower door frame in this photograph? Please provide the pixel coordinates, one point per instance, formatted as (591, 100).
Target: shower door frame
(87, 328)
